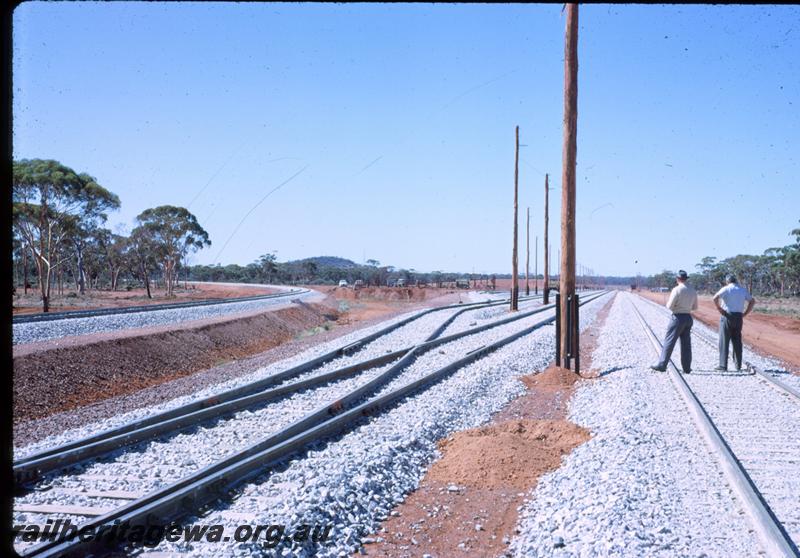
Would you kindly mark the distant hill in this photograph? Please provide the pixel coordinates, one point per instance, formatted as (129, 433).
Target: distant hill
(329, 261)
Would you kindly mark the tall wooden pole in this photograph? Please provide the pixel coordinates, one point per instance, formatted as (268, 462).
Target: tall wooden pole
(558, 259)
(536, 268)
(546, 291)
(528, 256)
(514, 259)
(569, 153)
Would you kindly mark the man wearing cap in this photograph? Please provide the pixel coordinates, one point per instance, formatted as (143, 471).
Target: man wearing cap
(682, 300)
(732, 308)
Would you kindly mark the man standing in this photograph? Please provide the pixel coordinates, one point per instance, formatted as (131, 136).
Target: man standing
(682, 300)
(733, 297)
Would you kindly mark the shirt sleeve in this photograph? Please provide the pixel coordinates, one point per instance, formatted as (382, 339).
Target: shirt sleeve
(671, 301)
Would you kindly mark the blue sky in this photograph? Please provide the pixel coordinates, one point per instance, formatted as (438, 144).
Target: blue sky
(401, 119)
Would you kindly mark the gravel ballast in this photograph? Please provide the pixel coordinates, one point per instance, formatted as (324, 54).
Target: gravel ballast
(414, 332)
(157, 463)
(760, 423)
(258, 374)
(353, 482)
(183, 454)
(772, 366)
(56, 329)
(645, 484)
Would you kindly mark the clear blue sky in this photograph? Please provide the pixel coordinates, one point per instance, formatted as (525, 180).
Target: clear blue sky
(403, 118)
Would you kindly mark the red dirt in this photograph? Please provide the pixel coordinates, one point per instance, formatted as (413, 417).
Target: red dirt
(777, 336)
(493, 468)
(507, 454)
(387, 293)
(51, 378)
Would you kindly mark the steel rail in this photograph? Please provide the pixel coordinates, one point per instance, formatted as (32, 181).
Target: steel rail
(773, 381)
(769, 529)
(72, 314)
(35, 465)
(215, 481)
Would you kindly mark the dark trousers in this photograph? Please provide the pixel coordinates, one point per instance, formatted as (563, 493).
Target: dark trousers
(730, 330)
(680, 327)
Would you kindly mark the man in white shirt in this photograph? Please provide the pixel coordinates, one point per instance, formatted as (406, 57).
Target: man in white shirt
(730, 301)
(682, 300)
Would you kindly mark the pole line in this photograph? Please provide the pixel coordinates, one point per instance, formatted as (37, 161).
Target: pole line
(259, 202)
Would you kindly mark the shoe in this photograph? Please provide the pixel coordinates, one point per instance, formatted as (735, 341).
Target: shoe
(658, 368)
(721, 368)
(687, 371)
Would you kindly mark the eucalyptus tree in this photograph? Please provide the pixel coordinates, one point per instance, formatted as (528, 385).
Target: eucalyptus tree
(113, 247)
(51, 202)
(310, 270)
(268, 266)
(172, 233)
(140, 256)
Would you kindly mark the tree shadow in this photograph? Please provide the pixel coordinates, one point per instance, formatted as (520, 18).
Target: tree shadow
(611, 371)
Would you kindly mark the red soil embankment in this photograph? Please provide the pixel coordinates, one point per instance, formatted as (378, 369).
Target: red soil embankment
(777, 336)
(59, 378)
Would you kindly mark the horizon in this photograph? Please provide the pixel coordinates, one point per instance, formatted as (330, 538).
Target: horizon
(282, 133)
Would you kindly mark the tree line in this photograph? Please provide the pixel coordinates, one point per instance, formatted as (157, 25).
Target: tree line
(327, 270)
(59, 235)
(60, 238)
(776, 272)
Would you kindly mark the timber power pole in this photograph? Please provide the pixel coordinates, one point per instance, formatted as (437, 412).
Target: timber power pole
(546, 287)
(514, 259)
(569, 155)
(536, 268)
(528, 256)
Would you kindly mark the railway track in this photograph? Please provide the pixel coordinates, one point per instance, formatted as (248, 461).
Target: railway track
(196, 479)
(322, 369)
(706, 338)
(73, 314)
(750, 421)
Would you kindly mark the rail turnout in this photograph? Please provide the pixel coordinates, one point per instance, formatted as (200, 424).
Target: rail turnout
(352, 389)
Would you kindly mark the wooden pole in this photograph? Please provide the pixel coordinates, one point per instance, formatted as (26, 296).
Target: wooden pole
(528, 256)
(546, 291)
(536, 268)
(514, 259)
(569, 154)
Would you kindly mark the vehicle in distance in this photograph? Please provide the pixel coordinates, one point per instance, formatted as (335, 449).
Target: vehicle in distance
(343, 283)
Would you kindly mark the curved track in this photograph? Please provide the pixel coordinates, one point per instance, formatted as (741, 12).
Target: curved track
(73, 314)
(192, 482)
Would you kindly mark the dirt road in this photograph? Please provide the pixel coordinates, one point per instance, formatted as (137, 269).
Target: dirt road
(776, 336)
